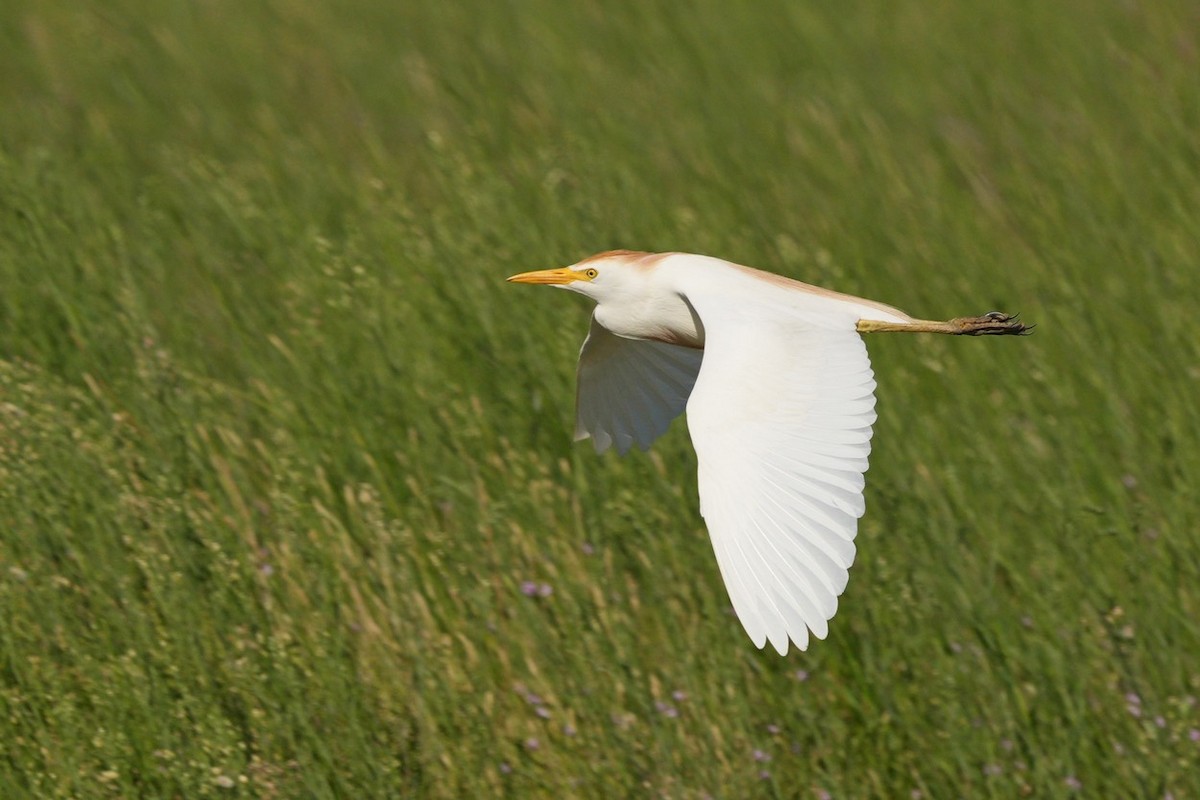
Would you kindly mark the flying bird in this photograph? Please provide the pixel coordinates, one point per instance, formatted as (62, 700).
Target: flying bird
(779, 394)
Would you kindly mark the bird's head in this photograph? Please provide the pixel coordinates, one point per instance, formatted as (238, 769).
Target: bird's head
(602, 277)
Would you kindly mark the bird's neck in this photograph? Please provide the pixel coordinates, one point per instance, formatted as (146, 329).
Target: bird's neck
(658, 316)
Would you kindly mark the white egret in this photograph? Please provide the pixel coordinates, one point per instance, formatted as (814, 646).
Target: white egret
(780, 401)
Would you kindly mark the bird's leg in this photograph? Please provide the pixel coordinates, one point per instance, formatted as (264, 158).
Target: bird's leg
(993, 323)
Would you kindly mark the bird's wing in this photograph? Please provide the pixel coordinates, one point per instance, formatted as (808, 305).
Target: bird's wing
(629, 390)
(781, 420)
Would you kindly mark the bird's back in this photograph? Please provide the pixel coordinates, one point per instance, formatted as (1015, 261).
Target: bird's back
(754, 292)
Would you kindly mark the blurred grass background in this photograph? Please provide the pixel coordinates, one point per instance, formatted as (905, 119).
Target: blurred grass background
(288, 501)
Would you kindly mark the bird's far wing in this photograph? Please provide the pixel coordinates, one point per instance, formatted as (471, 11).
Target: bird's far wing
(629, 390)
(781, 420)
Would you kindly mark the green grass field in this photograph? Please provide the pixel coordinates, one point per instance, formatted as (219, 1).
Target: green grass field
(280, 450)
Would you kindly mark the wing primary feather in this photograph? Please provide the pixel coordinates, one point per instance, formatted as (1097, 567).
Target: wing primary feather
(731, 569)
(844, 500)
(810, 554)
(812, 509)
(837, 550)
(799, 600)
(756, 594)
(768, 581)
(850, 480)
(650, 383)
(803, 576)
(621, 414)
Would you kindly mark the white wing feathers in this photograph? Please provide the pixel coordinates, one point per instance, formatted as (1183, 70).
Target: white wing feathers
(629, 390)
(780, 413)
(781, 421)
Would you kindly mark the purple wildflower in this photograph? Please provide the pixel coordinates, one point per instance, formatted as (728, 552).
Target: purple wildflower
(761, 756)
(529, 588)
(533, 698)
(1072, 783)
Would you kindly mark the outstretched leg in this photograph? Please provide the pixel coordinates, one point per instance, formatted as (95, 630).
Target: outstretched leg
(993, 323)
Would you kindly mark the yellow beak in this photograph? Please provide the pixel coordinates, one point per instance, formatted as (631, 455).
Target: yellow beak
(554, 277)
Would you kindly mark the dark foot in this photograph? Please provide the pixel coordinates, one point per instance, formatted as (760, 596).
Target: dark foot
(993, 323)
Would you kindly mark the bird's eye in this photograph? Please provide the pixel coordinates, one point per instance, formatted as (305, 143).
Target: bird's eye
(591, 274)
